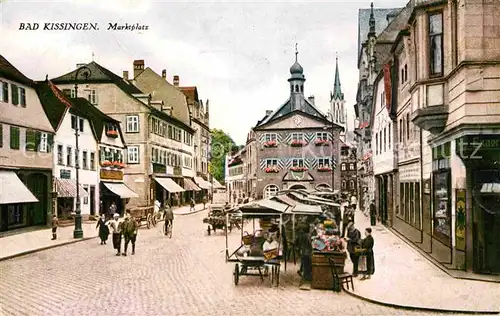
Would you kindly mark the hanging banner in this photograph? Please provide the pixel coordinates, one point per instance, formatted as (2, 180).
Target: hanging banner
(460, 219)
(387, 85)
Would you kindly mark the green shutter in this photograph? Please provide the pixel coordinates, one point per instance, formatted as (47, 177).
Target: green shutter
(14, 137)
(38, 138)
(50, 142)
(30, 140)
(15, 94)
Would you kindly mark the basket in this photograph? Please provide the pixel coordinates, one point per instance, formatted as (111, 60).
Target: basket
(247, 239)
(271, 254)
(358, 250)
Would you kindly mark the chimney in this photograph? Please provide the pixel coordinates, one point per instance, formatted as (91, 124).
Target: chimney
(269, 112)
(176, 80)
(164, 74)
(311, 99)
(138, 67)
(125, 75)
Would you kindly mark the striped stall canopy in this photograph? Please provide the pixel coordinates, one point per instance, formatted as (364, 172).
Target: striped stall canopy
(66, 188)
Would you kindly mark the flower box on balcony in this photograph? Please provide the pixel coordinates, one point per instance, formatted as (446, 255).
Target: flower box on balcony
(298, 169)
(324, 169)
(270, 144)
(298, 143)
(322, 142)
(112, 133)
(106, 163)
(118, 165)
(272, 170)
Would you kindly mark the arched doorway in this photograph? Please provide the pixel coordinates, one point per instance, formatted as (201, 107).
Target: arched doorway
(323, 187)
(298, 187)
(270, 190)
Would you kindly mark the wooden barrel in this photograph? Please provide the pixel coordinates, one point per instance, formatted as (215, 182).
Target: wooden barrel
(321, 273)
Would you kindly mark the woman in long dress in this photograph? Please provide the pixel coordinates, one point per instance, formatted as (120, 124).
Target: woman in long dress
(103, 229)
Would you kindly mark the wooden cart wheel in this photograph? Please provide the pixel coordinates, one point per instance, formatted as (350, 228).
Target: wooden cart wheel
(148, 221)
(209, 230)
(236, 274)
(153, 220)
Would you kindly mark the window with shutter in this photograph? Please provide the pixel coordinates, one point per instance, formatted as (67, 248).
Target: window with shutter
(80, 124)
(4, 92)
(1, 135)
(30, 140)
(73, 122)
(50, 142)
(14, 137)
(38, 140)
(15, 94)
(22, 97)
(67, 92)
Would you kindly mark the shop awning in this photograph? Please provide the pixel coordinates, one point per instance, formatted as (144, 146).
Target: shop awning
(217, 185)
(66, 188)
(189, 185)
(13, 190)
(202, 183)
(169, 185)
(121, 190)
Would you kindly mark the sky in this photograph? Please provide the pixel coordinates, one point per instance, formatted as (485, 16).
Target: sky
(238, 53)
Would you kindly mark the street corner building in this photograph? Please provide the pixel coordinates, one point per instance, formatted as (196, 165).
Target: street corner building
(26, 136)
(295, 146)
(428, 113)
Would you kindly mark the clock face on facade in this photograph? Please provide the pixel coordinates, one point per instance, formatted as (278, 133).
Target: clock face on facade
(297, 120)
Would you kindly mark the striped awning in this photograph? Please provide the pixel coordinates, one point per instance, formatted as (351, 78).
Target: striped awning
(202, 183)
(169, 185)
(66, 188)
(189, 185)
(121, 190)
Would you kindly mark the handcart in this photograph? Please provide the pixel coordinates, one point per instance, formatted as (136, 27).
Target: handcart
(143, 215)
(246, 262)
(216, 219)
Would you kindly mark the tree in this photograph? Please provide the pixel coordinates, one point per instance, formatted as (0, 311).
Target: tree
(222, 144)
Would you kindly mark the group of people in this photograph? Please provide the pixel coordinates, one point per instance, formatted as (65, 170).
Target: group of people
(121, 229)
(360, 249)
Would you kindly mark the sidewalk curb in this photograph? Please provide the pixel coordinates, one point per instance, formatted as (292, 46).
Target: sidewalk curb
(418, 308)
(23, 253)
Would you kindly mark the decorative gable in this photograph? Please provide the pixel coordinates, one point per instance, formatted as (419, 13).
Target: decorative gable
(297, 120)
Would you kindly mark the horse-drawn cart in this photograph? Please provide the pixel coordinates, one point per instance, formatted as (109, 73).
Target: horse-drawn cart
(144, 215)
(217, 219)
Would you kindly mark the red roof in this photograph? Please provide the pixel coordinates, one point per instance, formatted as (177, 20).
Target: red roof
(190, 92)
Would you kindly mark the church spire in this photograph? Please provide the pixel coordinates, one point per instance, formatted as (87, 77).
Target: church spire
(371, 22)
(337, 91)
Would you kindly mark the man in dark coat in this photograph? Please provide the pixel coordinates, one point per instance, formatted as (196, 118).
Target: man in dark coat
(347, 217)
(353, 240)
(373, 213)
(367, 244)
(130, 228)
(304, 244)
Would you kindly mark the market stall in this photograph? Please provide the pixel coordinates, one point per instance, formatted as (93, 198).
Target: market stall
(261, 250)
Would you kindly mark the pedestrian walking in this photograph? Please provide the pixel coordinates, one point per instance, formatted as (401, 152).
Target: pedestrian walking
(191, 205)
(367, 247)
(116, 229)
(373, 213)
(112, 210)
(353, 242)
(168, 216)
(103, 229)
(130, 228)
(304, 244)
(347, 217)
(55, 224)
(204, 200)
(354, 202)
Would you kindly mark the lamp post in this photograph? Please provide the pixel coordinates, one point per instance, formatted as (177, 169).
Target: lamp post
(78, 232)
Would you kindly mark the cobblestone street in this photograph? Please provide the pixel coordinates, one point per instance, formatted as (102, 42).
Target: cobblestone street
(185, 275)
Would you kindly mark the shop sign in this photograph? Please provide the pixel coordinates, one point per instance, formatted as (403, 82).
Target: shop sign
(460, 199)
(65, 174)
(177, 171)
(158, 168)
(477, 146)
(111, 174)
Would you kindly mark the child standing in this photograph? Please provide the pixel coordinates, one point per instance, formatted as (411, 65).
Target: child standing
(55, 224)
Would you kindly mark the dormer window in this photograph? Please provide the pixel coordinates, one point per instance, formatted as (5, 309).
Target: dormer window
(111, 130)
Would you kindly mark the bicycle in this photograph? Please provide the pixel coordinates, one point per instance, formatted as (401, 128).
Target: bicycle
(169, 230)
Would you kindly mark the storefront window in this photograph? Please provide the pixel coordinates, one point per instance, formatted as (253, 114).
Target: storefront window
(441, 201)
